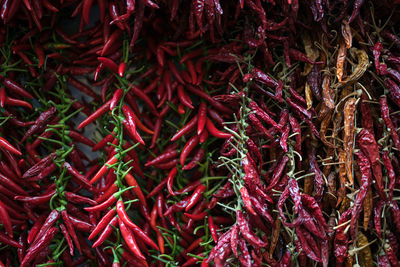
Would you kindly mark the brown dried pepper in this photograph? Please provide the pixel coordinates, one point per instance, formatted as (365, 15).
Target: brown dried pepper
(359, 70)
(367, 209)
(328, 94)
(341, 58)
(364, 255)
(348, 135)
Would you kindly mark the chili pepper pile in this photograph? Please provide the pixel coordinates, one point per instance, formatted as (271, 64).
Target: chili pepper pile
(202, 132)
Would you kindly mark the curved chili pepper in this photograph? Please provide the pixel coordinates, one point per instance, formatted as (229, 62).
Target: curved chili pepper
(263, 115)
(35, 228)
(170, 180)
(109, 64)
(79, 178)
(8, 241)
(198, 156)
(107, 232)
(131, 124)
(370, 148)
(80, 138)
(189, 146)
(246, 232)
(195, 196)
(136, 230)
(184, 98)
(81, 225)
(141, 125)
(77, 199)
(87, 5)
(131, 181)
(130, 240)
(37, 200)
(40, 122)
(83, 88)
(258, 125)
(214, 131)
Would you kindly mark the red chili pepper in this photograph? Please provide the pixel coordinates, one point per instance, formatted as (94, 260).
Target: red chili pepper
(187, 149)
(131, 124)
(388, 121)
(104, 169)
(106, 204)
(130, 240)
(258, 125)
(83, 88)
(48, 223)
(202, 118)
(185, 129)
(131, 181)
(109, 64)
(16, 88)
(5, 218)
(198, 156)
(45, 198)
(184, 98)
(6, 145)
(95, 115)
(80, 138)
(246, 232)
(116, 97)
(196, 217)
(209, 99)
(170, 180)
(370, 148)
(102, 223)
(121, 69)
(214, 131)
(197, 194)
(136, 230)
(41, 244)
(246, 200)
(166, 156)
(106, 232)
(81, 225)
(64, 231)
(35, 228)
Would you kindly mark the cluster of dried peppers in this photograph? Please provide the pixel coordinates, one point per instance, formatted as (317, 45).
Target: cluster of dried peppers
(202, 132)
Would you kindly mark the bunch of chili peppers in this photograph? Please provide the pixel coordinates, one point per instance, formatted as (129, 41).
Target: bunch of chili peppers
(199, 133)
